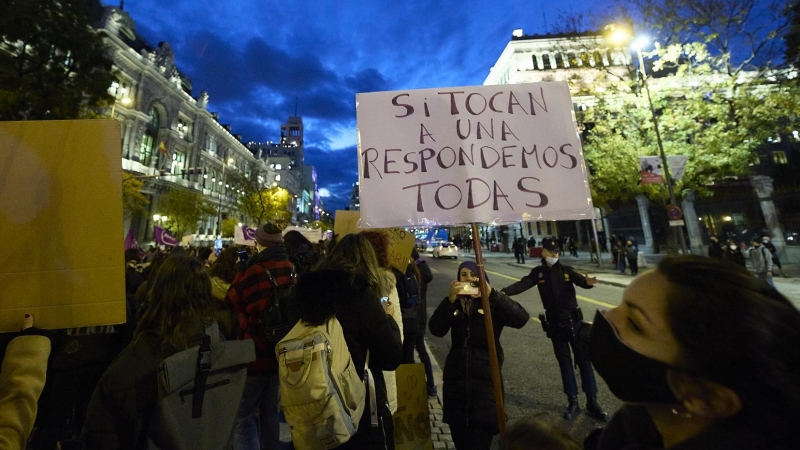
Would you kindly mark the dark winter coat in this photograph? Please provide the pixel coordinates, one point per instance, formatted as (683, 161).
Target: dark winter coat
(422, 306)
(123, 401)
(409, 312)
(366, 326)
(715, 250)
(631, 428)
(555, 284)
(735, 256)
(468, 390)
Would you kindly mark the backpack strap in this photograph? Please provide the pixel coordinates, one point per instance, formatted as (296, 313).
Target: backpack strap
(203, 368)
(292, 277)
(369, 381)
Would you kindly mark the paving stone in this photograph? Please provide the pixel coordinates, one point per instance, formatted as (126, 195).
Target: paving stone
(437, 444)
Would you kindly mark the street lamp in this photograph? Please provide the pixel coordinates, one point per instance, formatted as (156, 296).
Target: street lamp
(619, 35)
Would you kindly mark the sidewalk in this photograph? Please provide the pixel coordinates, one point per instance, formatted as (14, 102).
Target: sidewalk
(790, 287)
(440, 431)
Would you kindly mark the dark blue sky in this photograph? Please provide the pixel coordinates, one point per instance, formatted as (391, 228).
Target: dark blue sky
(254, 57)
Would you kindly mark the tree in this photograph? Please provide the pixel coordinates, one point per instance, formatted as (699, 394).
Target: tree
(184, 208)
(52, 63)
(718, 96)
(133, 201)
(260, 202)
(229, 227)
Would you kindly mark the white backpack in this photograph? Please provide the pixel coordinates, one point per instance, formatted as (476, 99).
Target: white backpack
(322, 396)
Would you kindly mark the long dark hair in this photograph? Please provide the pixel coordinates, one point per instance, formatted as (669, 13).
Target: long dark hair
(224, 267)
(736, 330)
(354, 254)
(180, 302)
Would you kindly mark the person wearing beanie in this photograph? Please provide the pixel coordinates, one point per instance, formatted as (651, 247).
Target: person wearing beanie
(468, 400)
(556, 283)
(250, 294)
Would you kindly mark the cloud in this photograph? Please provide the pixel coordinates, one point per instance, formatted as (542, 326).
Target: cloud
(324, 192)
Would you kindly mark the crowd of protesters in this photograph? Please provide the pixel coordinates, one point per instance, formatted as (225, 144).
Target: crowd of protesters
(702, 353)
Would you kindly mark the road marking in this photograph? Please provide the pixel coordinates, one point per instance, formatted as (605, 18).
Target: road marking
(580, 297)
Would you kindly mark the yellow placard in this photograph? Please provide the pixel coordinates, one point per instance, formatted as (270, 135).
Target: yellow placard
(412, 425)
(61, 216)
(346, 222)
(401, 242)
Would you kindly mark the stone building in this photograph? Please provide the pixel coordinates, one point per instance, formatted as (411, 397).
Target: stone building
(739, 208)
(170, 138)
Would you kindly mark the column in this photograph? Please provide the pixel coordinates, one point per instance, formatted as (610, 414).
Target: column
(644, 216)
(692, 225)
(763, 187)
(579, 233)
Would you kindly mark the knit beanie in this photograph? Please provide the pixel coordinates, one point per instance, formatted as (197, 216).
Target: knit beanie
(269, 235)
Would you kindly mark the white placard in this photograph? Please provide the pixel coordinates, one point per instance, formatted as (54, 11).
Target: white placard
(492, 154)
(311, 234)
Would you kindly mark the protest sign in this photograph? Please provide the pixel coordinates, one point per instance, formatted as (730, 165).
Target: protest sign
(652, 172)
(244, 235)
(61, 214)
(346, 222)
(401, 242)
(312, 235)
(412, 425)
(470, 154)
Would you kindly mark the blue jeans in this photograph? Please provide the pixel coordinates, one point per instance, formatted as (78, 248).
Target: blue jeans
(768, 279)
(261, 396)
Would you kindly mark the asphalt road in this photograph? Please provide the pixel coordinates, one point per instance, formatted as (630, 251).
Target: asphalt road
(530, 372)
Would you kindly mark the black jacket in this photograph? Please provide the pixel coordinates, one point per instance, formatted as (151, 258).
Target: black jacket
(468, 390)
(556, 286)
(123, 401)
(366, 326)
(422, 306)
(631, 428)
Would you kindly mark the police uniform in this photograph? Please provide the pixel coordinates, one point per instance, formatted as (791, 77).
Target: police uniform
(556, 284)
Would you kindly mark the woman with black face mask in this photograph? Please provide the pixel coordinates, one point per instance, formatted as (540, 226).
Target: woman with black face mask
(705, 356)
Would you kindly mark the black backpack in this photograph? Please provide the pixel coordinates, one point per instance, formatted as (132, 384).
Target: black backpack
(410, 297)
(281, 315)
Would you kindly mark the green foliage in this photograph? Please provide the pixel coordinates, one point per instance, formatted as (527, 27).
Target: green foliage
(262, 203)
(718, 97)
(184, 208)
(133, 201)
(52, 63)
(229, 226)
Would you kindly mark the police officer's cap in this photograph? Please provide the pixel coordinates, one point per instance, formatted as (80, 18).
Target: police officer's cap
(550, 244)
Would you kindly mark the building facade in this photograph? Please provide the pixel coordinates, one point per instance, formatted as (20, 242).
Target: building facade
(740, 206)
(171, 140)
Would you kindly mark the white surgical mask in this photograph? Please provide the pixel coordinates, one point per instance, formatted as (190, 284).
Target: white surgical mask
(733, 247)
(551, 261)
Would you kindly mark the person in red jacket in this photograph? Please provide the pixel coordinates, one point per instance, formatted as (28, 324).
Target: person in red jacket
(250, 295)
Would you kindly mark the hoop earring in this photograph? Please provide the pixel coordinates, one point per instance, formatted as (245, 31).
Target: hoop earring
(685, 415)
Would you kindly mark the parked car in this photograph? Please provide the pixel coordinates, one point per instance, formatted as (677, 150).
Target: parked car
(445, 250)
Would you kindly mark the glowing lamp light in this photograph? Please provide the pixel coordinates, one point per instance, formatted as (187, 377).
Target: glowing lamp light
(164, 218)
(727, 218)
(125, 101)
(156, 217)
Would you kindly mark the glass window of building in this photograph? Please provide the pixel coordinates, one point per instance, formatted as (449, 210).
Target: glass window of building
(779, 157)
(178, 164)
(149, 139)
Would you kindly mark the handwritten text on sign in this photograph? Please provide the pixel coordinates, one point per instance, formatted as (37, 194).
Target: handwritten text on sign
(470, 154)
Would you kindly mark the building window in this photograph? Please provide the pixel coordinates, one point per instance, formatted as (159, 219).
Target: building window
(779, 157)
(538, 228)
(149, 139)
(535, 63)
(178, 164)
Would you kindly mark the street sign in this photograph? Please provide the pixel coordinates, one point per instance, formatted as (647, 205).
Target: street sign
(676, 223)
(674, 214)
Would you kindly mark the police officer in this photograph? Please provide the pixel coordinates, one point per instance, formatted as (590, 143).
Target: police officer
(562, 322)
